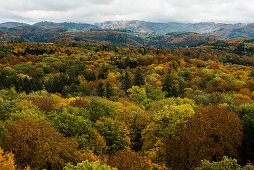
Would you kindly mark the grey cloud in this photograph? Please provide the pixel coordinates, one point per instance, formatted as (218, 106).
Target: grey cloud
(92, 11)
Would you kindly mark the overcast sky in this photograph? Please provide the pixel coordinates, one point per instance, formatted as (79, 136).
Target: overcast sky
(91, 11)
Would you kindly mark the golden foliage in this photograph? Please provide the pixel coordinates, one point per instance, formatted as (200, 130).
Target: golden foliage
(6, 161)
(45, 103)
(129, 160)
(79, 101)
(38, 145)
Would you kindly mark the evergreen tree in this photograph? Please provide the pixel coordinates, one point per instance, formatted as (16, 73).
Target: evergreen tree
(139, 79)
(109, 91)
(173, 85)
(27, 85)
(126, 83)
(100, 90)
(169, 87)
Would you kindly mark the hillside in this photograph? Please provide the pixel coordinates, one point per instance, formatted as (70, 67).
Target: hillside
(74, 105)
(32, 34)
(143, 26)
(220, 30)
(12, 24)
(67, 25)
(103, 37)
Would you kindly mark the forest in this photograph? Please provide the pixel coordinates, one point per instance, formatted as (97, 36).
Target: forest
(73, 106)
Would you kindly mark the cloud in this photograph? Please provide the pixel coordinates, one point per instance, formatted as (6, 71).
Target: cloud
(91, 11)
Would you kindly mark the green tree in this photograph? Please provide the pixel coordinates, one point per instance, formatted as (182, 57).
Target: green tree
(114, 132)
(226, 163)
(100, 90)
(100, 108)
(73, 122)
(251, 75)
(109, 91)
(173, 85)
(139, 78)
(137, 94)
(246, 112)
(126, 82)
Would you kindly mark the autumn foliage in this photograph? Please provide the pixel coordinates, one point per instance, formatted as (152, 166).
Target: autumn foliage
(210, 134)
(7, 161)
(37, 144)
(75, 105)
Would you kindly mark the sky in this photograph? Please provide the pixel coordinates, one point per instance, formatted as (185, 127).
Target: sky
(93, 11)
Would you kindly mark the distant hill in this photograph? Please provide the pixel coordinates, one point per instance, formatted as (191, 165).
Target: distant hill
(12, 24)
(247, 31)
(143, 26)
(67, 25)
(103, 37)
(32, 34)
(179, 39)
(220, 30)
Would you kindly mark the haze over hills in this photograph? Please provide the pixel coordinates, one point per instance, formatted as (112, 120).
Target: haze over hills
(126, 33)
(207, 28)
(220, 30)
(103, 37)
(12, 24)
(68, 25)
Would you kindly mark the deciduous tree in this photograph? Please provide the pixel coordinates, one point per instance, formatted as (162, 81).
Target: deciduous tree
(37, 144)
(211, 133)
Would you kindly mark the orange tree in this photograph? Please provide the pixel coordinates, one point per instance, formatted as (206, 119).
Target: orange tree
(128, 159)
(210, 134)
(38, 145)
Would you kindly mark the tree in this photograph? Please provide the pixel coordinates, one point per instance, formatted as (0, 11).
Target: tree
(251, 75)
(226, 163)
(27, 85)
(173, 85)
(73, 122)
(100, 90)
(86, 165)
(126, 83)
(37, 144)
(109, 91)
(137, 94)
(114, 132)
(128, 159)
(6, 161)
(44, 103)
(100, 108)
(3, 131)
(246, 113)
(239, 49)
(138, 78)
(210, 134)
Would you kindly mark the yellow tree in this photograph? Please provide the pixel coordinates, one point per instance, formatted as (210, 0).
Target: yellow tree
(38, 145)
(6, 161)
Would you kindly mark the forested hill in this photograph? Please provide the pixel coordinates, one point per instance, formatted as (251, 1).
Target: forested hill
(103, 37)
(219, 30)
(67, 25)
(76, 106)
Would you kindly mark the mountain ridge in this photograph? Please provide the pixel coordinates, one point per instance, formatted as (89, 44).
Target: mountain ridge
(220, 30)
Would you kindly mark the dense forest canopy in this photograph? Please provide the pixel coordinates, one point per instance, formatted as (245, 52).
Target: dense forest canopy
(71, 105)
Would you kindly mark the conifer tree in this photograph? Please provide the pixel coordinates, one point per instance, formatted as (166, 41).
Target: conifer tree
(109, 91)
(169, 87)
(126, 83)
(100, 90)
(139, 79)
